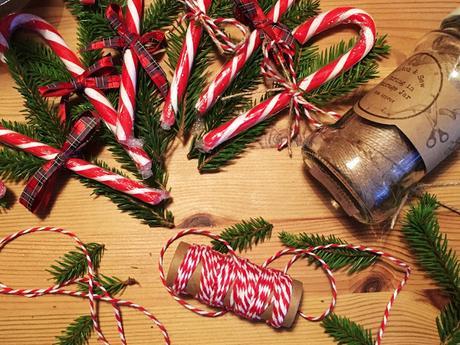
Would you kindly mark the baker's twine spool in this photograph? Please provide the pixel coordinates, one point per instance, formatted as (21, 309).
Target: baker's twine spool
(91, 295)
(234, 284)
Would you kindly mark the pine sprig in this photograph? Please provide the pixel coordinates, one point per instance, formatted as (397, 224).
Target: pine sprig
(17, 166)
(336, 258)
(448, 324)
(346, 332)
(77, 333)
(422, 233)
(73, 264)
(113, 285)
(244, 235)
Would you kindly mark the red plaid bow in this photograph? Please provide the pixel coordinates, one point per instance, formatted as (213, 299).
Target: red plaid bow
(250, 13)
(144, 46)
(37, 191)
(105, 80)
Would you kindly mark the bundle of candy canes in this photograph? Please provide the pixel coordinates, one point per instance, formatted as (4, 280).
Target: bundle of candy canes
(255, 288)
(90, 82)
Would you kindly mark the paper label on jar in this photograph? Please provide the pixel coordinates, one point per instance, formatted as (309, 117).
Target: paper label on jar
(422, 98)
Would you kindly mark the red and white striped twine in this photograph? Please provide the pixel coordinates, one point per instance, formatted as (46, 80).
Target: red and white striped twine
(296, 93)
(91, 295)
(2, 190)
(253, 284)
(100, 102)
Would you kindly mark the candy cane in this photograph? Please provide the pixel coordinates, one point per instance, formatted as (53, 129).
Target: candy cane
(229, 71)
(52, 37)
(183, 69)
(128, 87)
(83, 168)
(273, 105)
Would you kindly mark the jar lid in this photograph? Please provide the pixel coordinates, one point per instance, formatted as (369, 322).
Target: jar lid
(452, 19)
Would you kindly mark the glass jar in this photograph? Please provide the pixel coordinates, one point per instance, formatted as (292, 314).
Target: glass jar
(397, 133)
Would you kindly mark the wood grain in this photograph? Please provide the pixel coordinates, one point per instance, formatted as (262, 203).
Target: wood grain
(264, 182)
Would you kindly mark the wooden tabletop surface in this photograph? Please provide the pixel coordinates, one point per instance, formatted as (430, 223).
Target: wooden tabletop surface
(264, 182)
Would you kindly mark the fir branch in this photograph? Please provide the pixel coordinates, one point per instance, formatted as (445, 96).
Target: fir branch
(77, 333)
(430, 246)
(16, 165)
(113, 285)
(160, 14)
(243, 235)
(73, 264)
(448, 324)
(39, 113)
(335, 258)
(346, 332)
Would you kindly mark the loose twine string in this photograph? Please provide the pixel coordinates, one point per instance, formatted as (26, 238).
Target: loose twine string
(91, 295)
(249, 296)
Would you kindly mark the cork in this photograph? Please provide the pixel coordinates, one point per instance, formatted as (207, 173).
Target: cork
(193, 286)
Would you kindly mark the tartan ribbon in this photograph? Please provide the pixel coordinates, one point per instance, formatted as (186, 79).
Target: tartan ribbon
(250, 13)
(222, 41)
(87, 2)
(143, 46)
(98, 76)
(37, 192)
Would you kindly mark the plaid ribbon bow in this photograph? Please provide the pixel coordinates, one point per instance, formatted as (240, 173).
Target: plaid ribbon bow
(144, 46)
(104, 80)
(250, 13)
(37, 192)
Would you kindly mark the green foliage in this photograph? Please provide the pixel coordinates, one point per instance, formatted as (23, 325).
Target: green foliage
(77, 333)
(243, 235)
(335, 258)
(73, 264)
(430, 247)
(346, 332)
(448, 324)
(113, 285)
(16, 166)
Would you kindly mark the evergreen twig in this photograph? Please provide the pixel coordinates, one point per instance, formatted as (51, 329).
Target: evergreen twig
(113, 285)
(77, 333)
(243, 235)
(346, 332)
(431, 248)
(73, 264)
(335, 258)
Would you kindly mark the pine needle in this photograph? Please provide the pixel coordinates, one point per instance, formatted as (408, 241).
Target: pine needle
(77, 333)
(346, 332)
(113, 285)
(244, 235)
(73, 264)
(336, 258)
(430, 247)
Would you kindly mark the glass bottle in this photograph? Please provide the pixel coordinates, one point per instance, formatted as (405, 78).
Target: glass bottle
(397, 133)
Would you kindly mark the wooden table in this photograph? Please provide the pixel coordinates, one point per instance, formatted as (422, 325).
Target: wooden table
(264, 182)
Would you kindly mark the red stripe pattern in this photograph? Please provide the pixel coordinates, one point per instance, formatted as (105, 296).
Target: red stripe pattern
(253, 284)
(92, 296)
(2, 190)
(37, 192)
(85, 169)
(52, 37)
(294, 91)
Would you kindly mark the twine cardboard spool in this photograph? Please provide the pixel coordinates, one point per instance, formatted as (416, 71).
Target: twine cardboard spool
(193, 286)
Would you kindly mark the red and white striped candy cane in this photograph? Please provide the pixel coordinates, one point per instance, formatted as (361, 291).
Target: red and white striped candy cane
(91, 295)
(128, 87)
(183, 68)
(273, 105)
(102, 105)
(2, 190)
(229, 71)
(83, 168)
